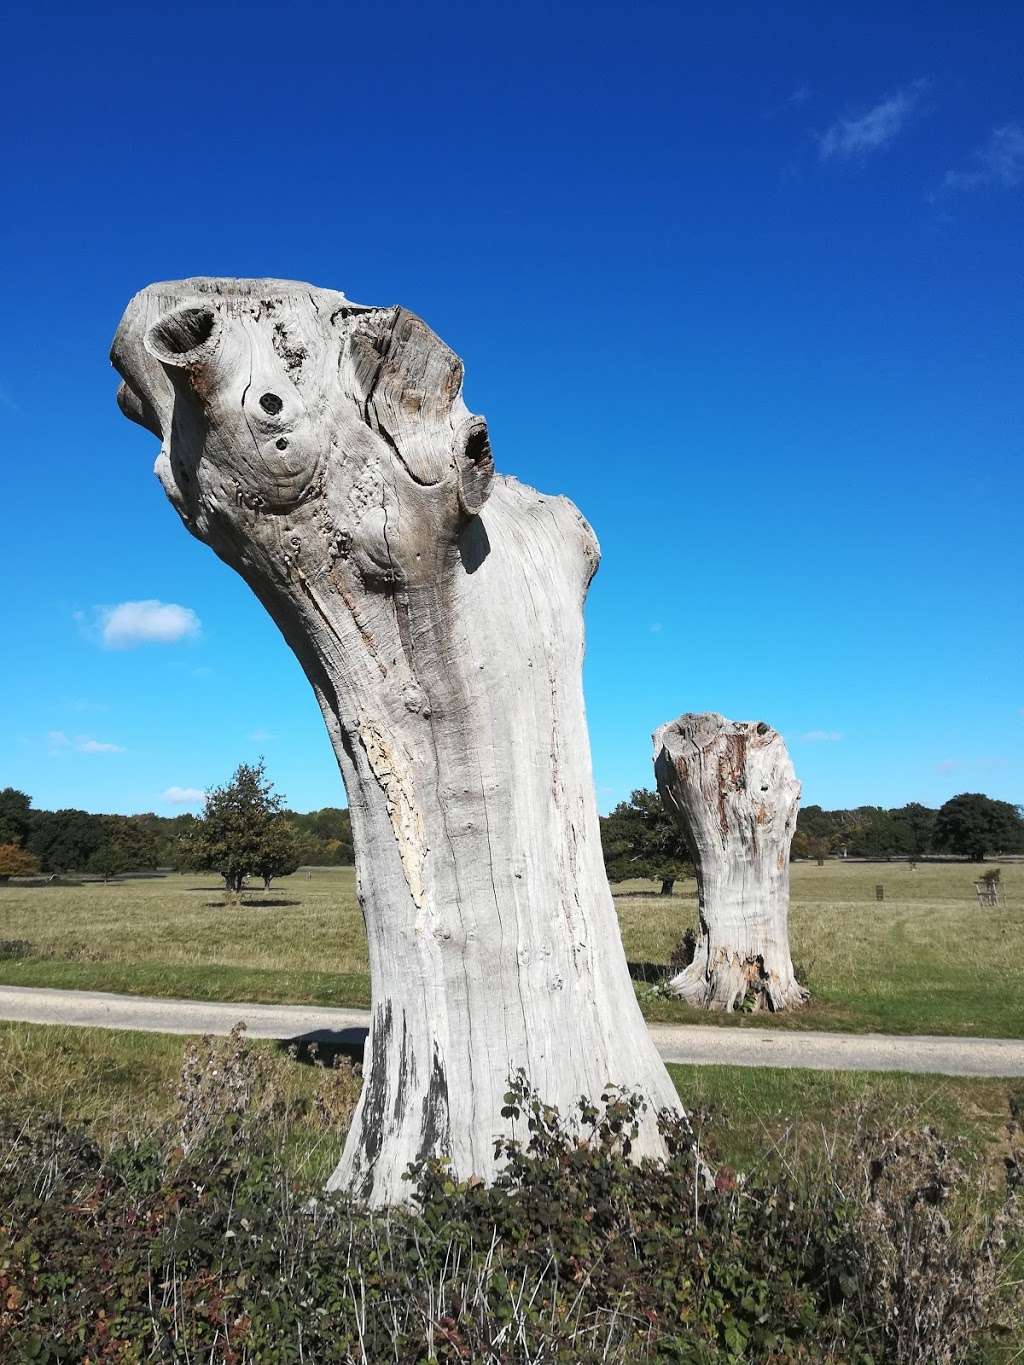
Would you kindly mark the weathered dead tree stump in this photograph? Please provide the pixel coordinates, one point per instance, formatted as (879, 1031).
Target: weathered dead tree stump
(323, 450)
(732, 787)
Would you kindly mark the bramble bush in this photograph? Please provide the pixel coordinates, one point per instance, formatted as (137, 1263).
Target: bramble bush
(201, 1242)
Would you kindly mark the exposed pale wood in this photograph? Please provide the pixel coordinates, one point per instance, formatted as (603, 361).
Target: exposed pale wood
(732, 788)
(323, 450)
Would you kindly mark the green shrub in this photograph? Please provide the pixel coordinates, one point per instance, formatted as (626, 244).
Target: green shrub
(201, 1243)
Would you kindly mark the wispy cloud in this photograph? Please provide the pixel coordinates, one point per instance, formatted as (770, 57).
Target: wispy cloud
(821, 737)
(84, 704)
(656, 627)
(142, 623)
(875, 128)
(183, 796)
(60, 743)
(998, 162)
(959, 765)
(261, 734)
(796, 99)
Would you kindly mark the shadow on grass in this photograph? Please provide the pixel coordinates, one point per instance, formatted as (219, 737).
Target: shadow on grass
(654, 896)
(649, 972)
(324, 1044)
(39, 883)
(251, 905)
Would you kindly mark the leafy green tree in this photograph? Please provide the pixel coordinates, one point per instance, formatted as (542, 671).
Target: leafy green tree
(818, 847)
(815, 822)
(65, 840)
(135, 844)
(917, 827)
(16, 862)
(640, 839)
(15, 816)
(109, 860)
(973, 824)
(167, 833)
(279, 856)
(238, 830)
(870, 832)
(325, 836)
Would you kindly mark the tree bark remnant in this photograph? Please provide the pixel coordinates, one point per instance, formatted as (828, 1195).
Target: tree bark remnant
(323, 450)
(732, 788)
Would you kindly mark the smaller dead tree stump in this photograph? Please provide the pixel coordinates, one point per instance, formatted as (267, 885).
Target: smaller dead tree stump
(732, 788)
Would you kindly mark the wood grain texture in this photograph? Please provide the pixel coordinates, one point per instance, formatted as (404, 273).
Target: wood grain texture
(733, 791)
(323, 450)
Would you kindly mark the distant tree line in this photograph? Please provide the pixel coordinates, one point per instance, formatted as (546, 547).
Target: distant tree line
(50, 841)
(971, 825)
(640, 840)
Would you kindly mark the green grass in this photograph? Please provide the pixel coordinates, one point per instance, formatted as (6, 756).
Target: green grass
(925, 960)
(115, 1082)
(751, 1111)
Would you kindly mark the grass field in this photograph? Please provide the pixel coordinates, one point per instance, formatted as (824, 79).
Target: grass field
(117, 1083)
(924, 960)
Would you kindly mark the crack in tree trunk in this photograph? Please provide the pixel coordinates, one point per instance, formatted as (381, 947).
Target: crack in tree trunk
(732, 789)
(437, 611)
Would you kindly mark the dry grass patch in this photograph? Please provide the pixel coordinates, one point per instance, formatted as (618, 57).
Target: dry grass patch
(927, 959)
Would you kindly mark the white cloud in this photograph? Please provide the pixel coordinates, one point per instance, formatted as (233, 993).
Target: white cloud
(656, 626)
(1000, 161)
(258, 735)
(183, 796)
(60, 743)
(873, 129)
(821, 737)
(143, 623)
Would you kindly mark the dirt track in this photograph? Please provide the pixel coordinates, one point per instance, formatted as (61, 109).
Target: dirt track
(685, 1043)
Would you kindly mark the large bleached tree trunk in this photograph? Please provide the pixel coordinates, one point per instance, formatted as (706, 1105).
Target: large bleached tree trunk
(323, 450)
(732, 788)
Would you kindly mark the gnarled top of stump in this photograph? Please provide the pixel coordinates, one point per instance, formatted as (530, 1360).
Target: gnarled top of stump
(702, 729)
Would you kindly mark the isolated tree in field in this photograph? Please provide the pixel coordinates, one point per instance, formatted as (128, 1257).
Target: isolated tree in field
(15, 816)
(640, 839)
(109, 860)
(240, 830)
(16, 862)
(819, 848)
(973, 825)
(279, 855)
(732, 787)
(323, 450)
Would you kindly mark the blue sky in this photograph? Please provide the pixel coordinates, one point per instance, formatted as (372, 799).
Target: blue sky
(743, 281)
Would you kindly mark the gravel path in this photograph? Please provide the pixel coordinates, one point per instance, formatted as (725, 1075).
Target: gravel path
(687, 1043)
